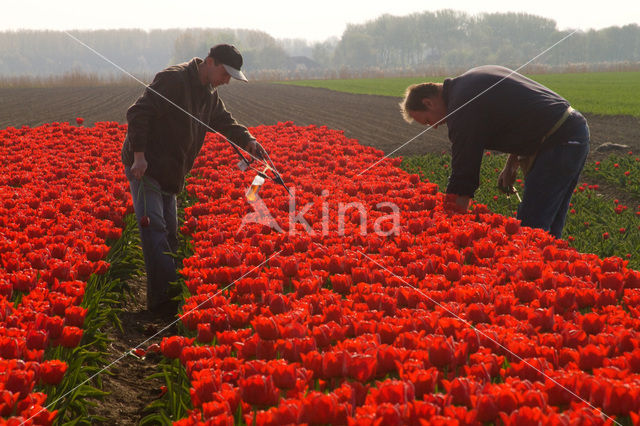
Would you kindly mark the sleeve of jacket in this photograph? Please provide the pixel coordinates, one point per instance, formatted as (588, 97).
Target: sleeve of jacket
(222, 121)
(158, 99)
(467, 148)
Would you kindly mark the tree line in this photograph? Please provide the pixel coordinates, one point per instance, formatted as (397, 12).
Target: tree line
(449, 39)
(428, 42)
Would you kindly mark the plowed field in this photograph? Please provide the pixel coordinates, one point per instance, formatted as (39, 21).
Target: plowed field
(373, 120)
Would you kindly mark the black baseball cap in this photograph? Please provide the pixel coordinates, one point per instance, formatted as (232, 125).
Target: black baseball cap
(230, 58)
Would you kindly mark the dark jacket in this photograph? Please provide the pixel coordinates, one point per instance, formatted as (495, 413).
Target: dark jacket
(512, 115)
(170, 138)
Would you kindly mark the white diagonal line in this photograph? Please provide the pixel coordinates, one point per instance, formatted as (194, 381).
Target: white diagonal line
(486, 336)
(181, 316)
(453, 314)
(150, 338)
(161, 95)
(467, 103)
(363, 254)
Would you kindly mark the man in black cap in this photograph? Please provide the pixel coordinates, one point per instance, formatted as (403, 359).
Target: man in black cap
(166, 129)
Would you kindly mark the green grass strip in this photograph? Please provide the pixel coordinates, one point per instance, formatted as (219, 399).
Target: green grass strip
(606, 93)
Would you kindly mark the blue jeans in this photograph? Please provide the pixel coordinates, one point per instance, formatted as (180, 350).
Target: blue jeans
(549, 185)
(159, 238)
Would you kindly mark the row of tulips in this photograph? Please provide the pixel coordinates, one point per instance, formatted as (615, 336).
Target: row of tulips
(61, 201)
(360, 313)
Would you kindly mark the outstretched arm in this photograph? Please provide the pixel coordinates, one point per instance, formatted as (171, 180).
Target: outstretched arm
(508, 175)
(222, 121)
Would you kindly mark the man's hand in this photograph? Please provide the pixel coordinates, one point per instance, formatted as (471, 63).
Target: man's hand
(256, 150)
(508, 175)
(139, 166)
(462, 201)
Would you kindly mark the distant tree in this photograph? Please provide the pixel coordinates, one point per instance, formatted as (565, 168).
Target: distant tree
(356, 49)
(296, 47)
(324, 52)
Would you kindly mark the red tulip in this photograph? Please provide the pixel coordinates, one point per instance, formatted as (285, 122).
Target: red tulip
(424, 381)
(525, 416)
(512, 226)
(290, 267)
(341, 283)
(279, 304)
(10, 348)
(591, 357)
(361, 367)
(217, 412)
(205, 386)
(284, 375)
(266, 327)
(487, 408)
(171, 347)
(205, 334)
(334, 364)
(592, 323)
(20, 382)
(611, 280)
(71, 336)
(52, 372)
(74, 315)
(394, 392)
(389, 414)
(318, 408)
(441, 352)
(258, 390)
(460, 391)
(37, 339)
(453, 271)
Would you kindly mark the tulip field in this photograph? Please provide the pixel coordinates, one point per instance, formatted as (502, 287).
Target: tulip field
(361, 299)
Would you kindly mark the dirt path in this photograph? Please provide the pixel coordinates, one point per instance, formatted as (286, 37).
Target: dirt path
(127, 380)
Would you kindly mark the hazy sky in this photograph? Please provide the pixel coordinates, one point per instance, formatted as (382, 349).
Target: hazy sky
(312, 20)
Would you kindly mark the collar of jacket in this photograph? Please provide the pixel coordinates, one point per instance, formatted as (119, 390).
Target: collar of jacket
(194, 76)
(446, 87)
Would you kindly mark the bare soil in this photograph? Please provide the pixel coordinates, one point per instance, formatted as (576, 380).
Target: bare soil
(127, 380)
(372, 120)
(376, 120)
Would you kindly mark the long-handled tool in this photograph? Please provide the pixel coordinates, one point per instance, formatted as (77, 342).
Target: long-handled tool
(263, 174)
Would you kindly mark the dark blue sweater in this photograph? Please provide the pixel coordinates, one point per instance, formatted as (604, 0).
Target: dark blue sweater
(492, 107)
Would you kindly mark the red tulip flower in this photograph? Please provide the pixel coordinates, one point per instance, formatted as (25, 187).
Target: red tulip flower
(52, 372)
(284, 375)
(267, 328)
(258, 390)
(71, 336)
(441, 352)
